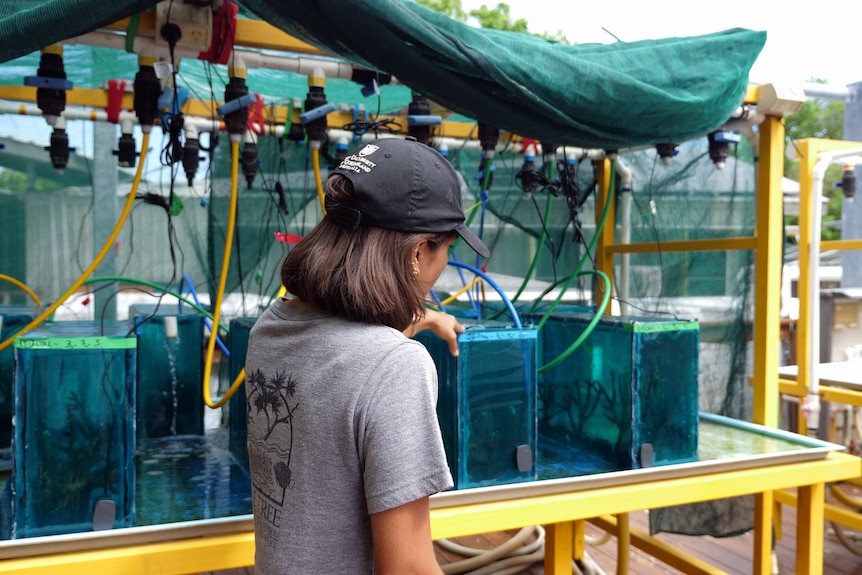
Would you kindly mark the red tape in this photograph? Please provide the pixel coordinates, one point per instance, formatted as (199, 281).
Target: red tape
(224, 32)
(256, 122)
(284, 238)
(116, 91)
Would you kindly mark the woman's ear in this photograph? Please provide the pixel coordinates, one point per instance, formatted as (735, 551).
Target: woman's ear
(419, 249)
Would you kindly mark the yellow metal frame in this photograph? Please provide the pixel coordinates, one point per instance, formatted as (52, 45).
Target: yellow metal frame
(807, 151)
(560, 514)
(97, 99)
(767, 246)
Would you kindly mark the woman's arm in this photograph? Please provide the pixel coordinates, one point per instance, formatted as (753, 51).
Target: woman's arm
(444, 325)
(402, 540)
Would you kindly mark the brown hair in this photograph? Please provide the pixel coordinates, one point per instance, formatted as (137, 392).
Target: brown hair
(364, 273)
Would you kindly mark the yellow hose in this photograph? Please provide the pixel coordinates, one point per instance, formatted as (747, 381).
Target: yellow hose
(241, 375)
(318, 182)
(225, 265)
(109, 243)
(455, 295)
(27, 290)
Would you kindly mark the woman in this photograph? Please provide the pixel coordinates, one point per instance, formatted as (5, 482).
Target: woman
(344, 444)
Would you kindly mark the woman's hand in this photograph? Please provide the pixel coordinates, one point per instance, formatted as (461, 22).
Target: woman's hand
(442, 324)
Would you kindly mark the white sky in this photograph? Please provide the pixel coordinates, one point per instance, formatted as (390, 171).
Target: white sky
(821, 39)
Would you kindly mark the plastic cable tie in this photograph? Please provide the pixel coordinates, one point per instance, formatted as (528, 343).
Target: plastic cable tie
(729, 137)
(47, 82)
(371, 89)
(116, 90)
(256, 120)
(424, 120)
(316, 113)
(234, 105)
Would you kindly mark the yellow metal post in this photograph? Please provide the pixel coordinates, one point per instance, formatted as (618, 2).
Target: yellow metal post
(559, 538)
(806, 153)
(605, 259)
(809, 530)
(763, 508)
(579, 538)
(767, 270)
(662, 551)
(767, 304)
(623, 543)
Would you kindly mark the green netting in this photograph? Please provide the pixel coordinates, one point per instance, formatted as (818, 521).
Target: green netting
(594, 95)
(28, 25)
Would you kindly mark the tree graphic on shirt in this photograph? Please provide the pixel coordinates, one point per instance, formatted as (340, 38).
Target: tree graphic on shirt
(270, 397)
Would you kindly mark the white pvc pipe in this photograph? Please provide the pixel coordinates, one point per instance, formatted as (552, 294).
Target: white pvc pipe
(811, 403)
(743, 120)
(826, 91)
(625, 181)
(147, 46)
(68, 113)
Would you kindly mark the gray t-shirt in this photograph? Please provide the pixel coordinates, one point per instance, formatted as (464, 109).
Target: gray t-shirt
(341, 423)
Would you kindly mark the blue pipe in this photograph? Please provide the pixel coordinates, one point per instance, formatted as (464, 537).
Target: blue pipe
(438, 301)
(464, 282)
(188, 280)
(515, 318)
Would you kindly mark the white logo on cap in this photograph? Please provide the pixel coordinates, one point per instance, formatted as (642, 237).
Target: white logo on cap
(369, 149)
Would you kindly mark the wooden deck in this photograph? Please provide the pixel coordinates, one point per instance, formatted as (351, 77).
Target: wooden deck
(732, 555)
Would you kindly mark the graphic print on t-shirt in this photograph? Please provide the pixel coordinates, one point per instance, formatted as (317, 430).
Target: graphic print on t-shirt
(269, 417)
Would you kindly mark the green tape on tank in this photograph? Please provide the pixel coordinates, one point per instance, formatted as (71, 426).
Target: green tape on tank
(662, 327)
(76, 343)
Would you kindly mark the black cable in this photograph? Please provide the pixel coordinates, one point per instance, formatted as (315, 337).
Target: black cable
(654, 227)
(172, 121)
(362, 127)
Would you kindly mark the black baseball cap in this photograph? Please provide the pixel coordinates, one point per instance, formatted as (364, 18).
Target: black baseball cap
(404, 185)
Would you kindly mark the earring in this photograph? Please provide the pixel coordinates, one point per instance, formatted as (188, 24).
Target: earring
(415, 271)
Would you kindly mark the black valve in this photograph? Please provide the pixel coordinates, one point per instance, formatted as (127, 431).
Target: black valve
(191, 158)
(488, 137)
(666, 152)
(718, 150)
(236, 119)
(419, 107)
(59, 149)
(126, 154)
(147, 92)
(52, 101)
(315, 128)
(529, 176)
(848, 181)
(719, 146)
(249, 162)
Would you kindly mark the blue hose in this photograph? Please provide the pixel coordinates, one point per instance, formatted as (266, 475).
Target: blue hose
(515, 318)
(473, 303)
(188, 280)
(438, 301)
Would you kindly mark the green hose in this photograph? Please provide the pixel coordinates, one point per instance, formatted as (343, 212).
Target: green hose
(590, 326)
(590, 248)
(158, 287)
